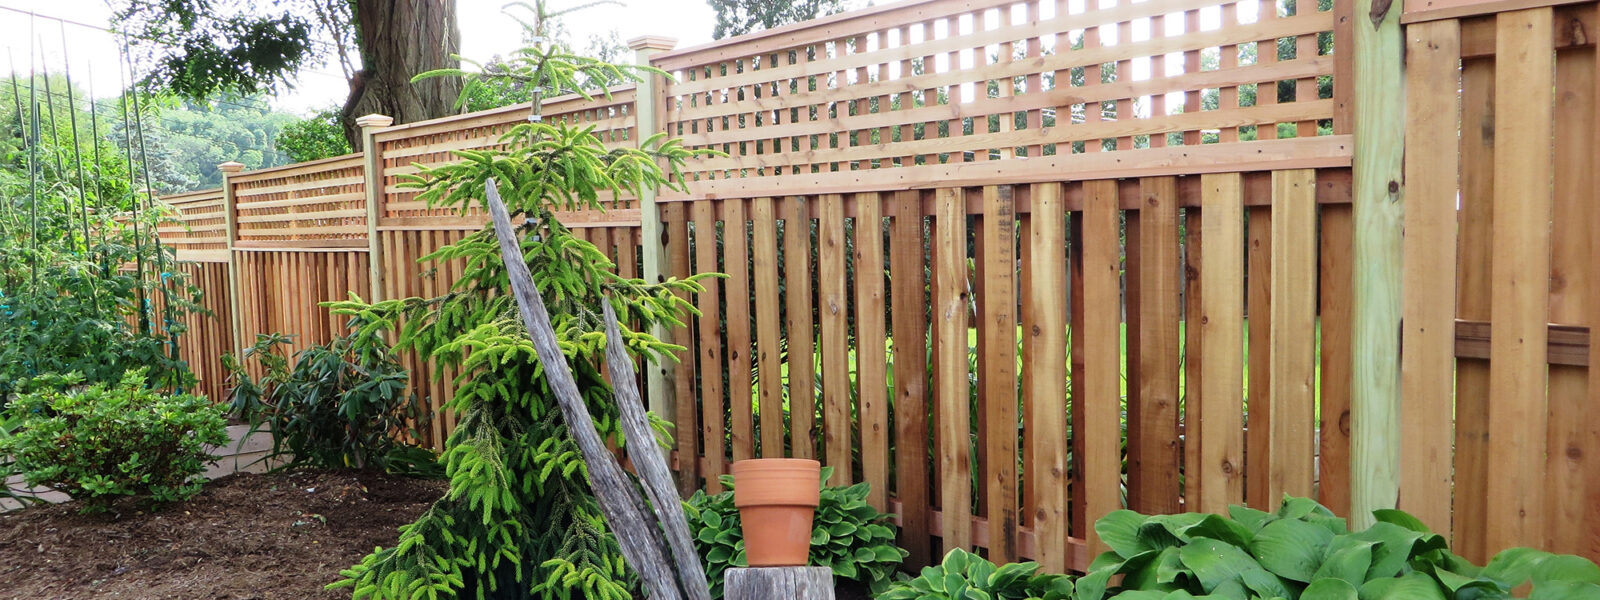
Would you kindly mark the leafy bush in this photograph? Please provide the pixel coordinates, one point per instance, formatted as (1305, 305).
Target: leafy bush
(104, 442)
(848, 535)
(1304, 552)
(341, 405)
(964, 575)
(314, 138)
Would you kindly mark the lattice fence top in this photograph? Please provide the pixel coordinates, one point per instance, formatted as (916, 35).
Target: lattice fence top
(943, 87)
(199, 230)
(407, 148)
(319, 204)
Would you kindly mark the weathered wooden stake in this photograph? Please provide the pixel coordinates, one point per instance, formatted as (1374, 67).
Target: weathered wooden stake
(637, 533)
(779, 583)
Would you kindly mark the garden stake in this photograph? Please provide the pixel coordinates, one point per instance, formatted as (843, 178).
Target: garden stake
(619, 501)
(77, 153)
(138, 242)
(55, 136)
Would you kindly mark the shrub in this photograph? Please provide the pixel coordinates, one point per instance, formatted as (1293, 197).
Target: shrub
(848, 535)
(341, 405)
(104, 442)
(1304, 552)
(965, 575)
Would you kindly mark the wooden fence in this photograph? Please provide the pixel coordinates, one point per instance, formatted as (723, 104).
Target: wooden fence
(1020, 263)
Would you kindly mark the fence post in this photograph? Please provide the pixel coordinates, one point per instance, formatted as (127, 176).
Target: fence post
(372, 157)
(646, 114)
(230, 209)
(1380, 106)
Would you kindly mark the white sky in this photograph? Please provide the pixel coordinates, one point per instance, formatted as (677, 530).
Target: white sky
(485, 31)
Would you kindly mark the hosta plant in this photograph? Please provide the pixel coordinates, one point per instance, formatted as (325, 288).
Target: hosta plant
(1303, 552)
(966, 576)
(848, 535)
(104, 442)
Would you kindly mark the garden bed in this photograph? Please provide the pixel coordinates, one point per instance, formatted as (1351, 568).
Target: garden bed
(244, 536)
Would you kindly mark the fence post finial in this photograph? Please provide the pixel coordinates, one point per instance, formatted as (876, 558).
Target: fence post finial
(372, 159)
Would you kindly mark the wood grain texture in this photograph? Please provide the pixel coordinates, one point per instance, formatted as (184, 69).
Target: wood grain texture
(1221, 325)
(1294, 314)
(800, 328)
(909, 318)
(1047, 360)
(1101, 426)
(1258, 417)
(1520, 269)
(872, 368)
(1333, 467)
(780, 583)
(1153, 459)
(1476, 218)
(999, 372)
(712, 402)
(764, 270)
(832, 307)
(735, 257)
(950, 352)
(1427, 367)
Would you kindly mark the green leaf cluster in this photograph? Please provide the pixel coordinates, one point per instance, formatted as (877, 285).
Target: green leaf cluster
(1303, 552)
(520, 519)
(967, 576)
(847, 535)
(103, 442)
(344, 404)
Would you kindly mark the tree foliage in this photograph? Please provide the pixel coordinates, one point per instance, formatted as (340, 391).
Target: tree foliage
(739, 17)
(313, 138)
(520, 519)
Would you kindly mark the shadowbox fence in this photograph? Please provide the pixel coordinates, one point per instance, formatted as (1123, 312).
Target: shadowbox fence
(1019, 264)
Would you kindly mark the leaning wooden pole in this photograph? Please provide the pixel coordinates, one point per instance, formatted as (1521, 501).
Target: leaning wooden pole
(1380, 102)
(624, 510)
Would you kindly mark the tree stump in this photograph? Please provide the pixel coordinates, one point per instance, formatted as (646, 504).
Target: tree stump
(779, 583)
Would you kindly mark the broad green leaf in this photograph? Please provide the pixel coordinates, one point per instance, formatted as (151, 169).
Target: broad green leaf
(1291, 549)
(1120, 531)
(1222, 529)
(1214, 562)
(1348, 559)
(1514, 566)
(1401, 518)
(1565, 590)
(1329, 589)
(1566, 568)
(1413, 586)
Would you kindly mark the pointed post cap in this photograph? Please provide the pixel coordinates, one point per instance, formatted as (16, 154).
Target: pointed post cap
(374, 120)
(231, 167)
(652, 42)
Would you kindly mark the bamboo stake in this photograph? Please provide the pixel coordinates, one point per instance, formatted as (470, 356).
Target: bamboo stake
(77, 153)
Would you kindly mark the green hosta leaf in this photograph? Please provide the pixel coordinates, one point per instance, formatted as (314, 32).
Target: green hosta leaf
(1412, 586)
(1566, 568)
(1401, 518)
(1565, 590)
(1250, 518)
(1393, 546)
(1329, 589)
(1221, 529)
(1290, 548)
(1515, 566)
(1214, 562)
(1348, 559)
(1120, 531)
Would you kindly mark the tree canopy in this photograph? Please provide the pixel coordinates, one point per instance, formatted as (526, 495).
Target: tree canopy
(738, 17)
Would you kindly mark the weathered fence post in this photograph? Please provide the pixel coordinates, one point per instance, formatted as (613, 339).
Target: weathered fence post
(658, 376)
(370, 124)
(1379, 213)
(230, 210)
(780, 583)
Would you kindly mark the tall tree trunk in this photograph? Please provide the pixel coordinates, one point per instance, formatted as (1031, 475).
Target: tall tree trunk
(399, 39)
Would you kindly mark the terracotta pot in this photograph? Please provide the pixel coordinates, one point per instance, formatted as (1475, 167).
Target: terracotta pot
(777, 498)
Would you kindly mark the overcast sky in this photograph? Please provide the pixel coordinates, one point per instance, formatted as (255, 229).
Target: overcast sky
(485, 31)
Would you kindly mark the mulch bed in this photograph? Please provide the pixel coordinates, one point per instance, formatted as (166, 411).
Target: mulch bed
(245, 537)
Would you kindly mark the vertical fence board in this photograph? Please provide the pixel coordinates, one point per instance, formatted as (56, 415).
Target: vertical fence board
(872, 372)
(1427, 366)
(1337, 264)
(684, 430)
(833, 306)
(1153, 453)
(1192, 334)
(1258, 415)
(800, 331)
(1101, 425)
(1047, 359)
(950, 319)
(765, 272)
(1472, 300)
(1520, 271)
(735, 257)
(1294, 314)
(910, 334)
(1571, 446)
(999, 377)
(712, 430)
(1221, 326)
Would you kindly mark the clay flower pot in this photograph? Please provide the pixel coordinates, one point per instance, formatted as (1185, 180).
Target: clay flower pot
(777, 498)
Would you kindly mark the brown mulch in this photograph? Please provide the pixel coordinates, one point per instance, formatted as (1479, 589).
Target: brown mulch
(245, 536)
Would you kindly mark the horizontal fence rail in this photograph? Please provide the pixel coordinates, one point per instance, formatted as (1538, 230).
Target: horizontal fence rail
(1017, 264)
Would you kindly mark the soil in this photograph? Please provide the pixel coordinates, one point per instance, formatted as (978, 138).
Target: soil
(246, 536)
